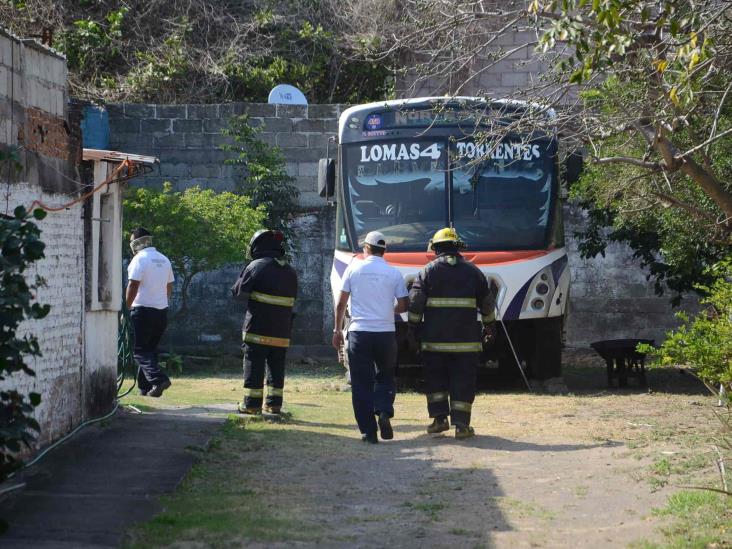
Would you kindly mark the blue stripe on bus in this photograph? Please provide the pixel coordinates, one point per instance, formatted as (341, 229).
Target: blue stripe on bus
(340, 266)
(558, 268)
(514, 309)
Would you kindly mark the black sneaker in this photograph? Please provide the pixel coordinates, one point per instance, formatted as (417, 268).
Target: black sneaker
(371, 438)
(157, 390)
(387, 433)
(439, 425)
(143, 392)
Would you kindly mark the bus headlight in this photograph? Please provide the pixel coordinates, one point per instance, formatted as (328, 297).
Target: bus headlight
(538, 304)
(542, 288)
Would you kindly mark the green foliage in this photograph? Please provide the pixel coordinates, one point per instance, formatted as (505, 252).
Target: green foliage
(21, 247)
(265, 181)
(89, 43)
(669, 221)
(161, 75)
(198, 230)
(704, 342)
(200, 52)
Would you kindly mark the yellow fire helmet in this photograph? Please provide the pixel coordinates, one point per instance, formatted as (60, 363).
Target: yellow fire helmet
(448, 234)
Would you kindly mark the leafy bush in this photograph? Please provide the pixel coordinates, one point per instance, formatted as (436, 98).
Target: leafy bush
(265, 179)
(704, 342)
(21, 246)
(198, 230)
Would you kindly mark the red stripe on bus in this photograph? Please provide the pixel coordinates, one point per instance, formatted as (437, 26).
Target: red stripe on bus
(410, 259)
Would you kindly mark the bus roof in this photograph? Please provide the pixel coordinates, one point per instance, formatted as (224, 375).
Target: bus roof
(396, 104)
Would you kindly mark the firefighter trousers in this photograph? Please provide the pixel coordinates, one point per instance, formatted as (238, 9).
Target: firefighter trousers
(450, 379)
(258, 360)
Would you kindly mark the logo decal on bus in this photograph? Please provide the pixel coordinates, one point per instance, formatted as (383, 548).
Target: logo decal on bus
(403, 151)
(374, 122)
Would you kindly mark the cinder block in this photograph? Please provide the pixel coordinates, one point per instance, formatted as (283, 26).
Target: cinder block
(214, 125)
(197, 140)
(285, 140)
(216, 140)
(268, 138)
(139, 143)
(514, 79)
(170, 111)
(155, 126)
(175, 170)
(261, 110)
(307, 169)
(277, 125)
(187, 126)
(305, 184)
(203, 111)
(308, 125)
(139, 111)
(321, 142)
(331, 126)
(170, 141)
(230, 110)
(206, 170)
(301, 155)
(322, 111)
(292, 111)
(124, 125)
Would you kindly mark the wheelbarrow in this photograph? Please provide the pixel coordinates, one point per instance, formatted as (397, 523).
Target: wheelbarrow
(622, 360)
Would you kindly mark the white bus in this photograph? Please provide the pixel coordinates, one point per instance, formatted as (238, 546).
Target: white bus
(410, 167)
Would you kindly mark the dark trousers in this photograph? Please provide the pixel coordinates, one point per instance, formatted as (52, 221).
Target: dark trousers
(372, 358)
(259, 359)
(453, 376)
(149, 325)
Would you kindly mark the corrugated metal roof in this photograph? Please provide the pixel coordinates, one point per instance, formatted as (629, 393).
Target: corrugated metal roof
(116, 156)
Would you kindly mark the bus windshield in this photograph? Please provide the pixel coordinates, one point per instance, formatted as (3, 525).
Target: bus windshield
(504, 200)
(503, 197)
(398, 188)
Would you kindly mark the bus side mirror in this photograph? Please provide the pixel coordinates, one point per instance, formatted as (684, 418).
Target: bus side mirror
(326, 177)
(573, 167)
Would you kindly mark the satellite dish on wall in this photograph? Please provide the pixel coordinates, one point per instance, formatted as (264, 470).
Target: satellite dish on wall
(284, 94)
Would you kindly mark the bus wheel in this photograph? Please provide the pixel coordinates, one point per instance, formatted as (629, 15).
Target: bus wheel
(546, 361)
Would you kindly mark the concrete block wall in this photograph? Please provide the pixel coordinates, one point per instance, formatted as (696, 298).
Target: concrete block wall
(59, 371)
(187, 139)
(35, 115)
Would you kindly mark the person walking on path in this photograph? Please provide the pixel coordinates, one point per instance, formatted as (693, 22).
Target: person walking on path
(443, 304)
(267, 287)
(371, 286)
(150, 283)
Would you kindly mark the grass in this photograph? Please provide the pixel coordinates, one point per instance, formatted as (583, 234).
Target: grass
(232, 498)
(700, 519)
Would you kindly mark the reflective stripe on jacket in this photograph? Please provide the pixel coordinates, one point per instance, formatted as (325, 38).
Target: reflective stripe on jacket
(268, 287)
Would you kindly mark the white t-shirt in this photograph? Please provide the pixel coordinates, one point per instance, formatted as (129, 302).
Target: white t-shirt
(152, 269)
(373, 285)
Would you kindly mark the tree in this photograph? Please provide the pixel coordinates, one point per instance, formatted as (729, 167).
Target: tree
(198, 230)
(21, 247)
(644, 87)
(265, 178)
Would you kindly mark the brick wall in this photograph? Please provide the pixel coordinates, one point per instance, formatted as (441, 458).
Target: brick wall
(610, 296)
(34, 114)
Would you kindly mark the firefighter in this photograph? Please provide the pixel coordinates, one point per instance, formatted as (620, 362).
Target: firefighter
(267, 287)
(443, 304)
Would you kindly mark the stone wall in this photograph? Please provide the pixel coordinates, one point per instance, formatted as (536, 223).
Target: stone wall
(610, 296)
(187, 140)
(34, 114)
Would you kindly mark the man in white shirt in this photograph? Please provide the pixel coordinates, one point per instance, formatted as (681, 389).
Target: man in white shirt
(372, 286)
(150, 285)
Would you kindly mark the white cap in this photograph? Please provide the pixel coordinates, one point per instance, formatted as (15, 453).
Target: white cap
(375, 238)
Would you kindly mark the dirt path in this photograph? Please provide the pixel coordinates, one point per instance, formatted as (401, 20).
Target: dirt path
(584, 469)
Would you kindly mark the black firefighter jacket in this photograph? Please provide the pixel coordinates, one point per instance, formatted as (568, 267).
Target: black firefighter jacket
(268, 287)
(445, 298)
